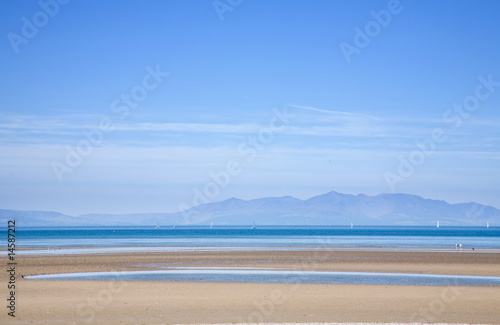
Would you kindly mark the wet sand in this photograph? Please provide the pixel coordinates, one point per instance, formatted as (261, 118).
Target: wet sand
(148, 302)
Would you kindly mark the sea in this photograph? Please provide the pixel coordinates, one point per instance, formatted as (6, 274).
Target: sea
(259, 238)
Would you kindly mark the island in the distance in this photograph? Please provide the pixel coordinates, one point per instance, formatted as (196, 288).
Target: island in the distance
(332, 208)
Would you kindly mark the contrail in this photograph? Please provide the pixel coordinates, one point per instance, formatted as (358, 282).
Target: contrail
(331, 112)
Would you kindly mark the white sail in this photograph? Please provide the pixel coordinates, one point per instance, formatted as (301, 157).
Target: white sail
(253, 226)
(211, 225)
(438, 224)
(352, 225)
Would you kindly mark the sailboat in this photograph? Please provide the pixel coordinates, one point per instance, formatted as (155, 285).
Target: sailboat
(437, 225)
(157, 226)
(211, 225)
(487, 224)
(352, 225)
(253, 226)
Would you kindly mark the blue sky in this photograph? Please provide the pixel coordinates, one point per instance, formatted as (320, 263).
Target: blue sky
(218, 83)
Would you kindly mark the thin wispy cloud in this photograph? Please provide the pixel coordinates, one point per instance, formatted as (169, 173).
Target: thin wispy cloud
(189, 127)
(337, 113)
(68, 129)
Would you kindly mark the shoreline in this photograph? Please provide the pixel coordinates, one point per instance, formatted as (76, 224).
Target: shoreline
(398, 260)
(114, 250)
(161, 302)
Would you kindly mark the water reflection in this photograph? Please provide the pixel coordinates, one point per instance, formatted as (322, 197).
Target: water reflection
(269, 275)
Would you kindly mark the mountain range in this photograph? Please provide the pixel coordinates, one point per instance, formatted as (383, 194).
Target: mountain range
(327, 209)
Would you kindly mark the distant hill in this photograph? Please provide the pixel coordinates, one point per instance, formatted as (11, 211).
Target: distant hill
(328, 209)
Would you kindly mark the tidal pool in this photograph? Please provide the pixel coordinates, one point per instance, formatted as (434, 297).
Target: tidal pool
(257, 275)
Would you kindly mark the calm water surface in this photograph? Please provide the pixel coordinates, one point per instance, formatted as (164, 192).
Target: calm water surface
(216, 274)
(443, 237)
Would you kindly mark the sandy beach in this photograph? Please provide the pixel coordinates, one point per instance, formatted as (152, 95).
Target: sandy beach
(152, 302)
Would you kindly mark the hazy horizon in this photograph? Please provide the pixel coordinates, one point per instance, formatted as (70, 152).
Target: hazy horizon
(216, 201)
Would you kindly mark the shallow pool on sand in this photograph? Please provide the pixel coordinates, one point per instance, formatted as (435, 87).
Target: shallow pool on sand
(272, 275)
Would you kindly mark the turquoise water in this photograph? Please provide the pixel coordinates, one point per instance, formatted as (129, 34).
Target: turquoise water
(244, 237)
(215, 274)
(148, 239)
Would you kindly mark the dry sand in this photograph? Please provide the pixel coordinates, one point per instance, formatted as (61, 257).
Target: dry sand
(148, 302)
